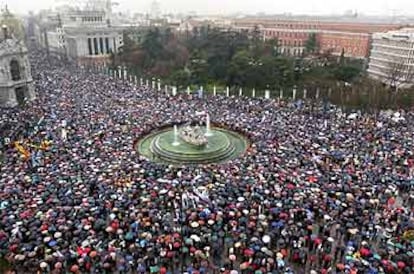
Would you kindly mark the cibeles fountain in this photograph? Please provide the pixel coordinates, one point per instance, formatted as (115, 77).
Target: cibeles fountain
(192, 143)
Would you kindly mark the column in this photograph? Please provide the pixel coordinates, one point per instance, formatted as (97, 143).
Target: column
(188, 90)
(166, 90)
(317, 93)
(294, 94)
(304, 93)
(240, 92)
(141, 82)
(106, 45)
(135, 80)
(200, 92)
(174, 91)
(147, 83)
(254, 93)
(99, 45)
(281, 94)
(159, 84)
(214, 91)
(267, 94)
(114, 45)
(227, 91)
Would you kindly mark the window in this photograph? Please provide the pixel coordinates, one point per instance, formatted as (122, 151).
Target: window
(95, 45)
(15, 70)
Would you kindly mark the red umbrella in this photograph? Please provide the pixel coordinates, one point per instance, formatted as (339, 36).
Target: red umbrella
(364, 252)
(312, 179)
(248, 252)
(290, 186)
(400, 265)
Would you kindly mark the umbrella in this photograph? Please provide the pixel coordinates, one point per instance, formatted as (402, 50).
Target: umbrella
(194, 224)
(196, 238)
(400, 264)
(129, 236)
(244, 266)
(377, 257)
(266, 251)
(248, 252)
(278, 224)
(266, 239)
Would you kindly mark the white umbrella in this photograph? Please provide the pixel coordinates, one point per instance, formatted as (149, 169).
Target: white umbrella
(266, 239)
(196, 238)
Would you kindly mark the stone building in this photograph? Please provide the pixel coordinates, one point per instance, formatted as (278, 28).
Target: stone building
(16, 83)
(353, 38)
(392, 58)
(85, 35)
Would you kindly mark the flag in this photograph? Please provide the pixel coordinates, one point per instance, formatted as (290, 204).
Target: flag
(24, 152)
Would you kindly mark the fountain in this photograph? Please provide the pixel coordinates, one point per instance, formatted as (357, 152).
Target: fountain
(208, 129)
(175, 143)
(192, 144)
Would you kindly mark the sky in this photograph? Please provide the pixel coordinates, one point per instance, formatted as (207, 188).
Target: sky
(313, 7)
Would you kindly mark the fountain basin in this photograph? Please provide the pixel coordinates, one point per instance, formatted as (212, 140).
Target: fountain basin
(223, 145)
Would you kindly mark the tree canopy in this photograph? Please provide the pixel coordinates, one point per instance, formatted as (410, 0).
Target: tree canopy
(208, 56)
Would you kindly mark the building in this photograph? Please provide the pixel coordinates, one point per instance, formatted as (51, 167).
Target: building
(352, 38)
(85, 34)
(392, 57)
(16, 83)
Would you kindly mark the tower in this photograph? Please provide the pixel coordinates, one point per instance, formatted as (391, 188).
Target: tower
(16, 83)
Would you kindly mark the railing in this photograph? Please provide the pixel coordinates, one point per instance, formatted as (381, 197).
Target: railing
(122, 74)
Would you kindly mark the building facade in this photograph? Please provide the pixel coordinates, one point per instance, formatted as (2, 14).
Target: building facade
(16, 83)
(82, 35)
(332, 37)
(392, 57)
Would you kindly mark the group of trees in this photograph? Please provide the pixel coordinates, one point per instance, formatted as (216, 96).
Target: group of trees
(208, 56)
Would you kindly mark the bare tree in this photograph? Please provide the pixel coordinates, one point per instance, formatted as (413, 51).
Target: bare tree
(399, 74)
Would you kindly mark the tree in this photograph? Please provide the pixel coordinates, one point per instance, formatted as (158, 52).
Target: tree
(239, 69)
(311, 45)
(346, 73)
(399, 73)
(181, 78)
(152, 45)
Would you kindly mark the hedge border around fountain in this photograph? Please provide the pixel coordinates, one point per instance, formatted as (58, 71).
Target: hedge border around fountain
(148, 146)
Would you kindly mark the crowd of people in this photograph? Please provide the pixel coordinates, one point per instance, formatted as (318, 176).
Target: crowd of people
(317, 191)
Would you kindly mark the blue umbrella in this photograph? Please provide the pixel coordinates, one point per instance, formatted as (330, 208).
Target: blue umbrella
(278, 224)
(52, 243)
(143, 243)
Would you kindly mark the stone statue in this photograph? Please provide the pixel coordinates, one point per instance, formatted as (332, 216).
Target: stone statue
(193, 135)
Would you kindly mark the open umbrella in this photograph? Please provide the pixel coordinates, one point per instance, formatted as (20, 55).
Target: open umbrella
(248, 252)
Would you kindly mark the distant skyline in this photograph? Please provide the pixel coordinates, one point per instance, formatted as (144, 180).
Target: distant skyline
(310, 7)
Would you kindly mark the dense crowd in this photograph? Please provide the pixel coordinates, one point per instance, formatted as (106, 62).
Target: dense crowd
(317, 191)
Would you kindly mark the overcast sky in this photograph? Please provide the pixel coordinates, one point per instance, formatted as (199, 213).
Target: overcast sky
(386, 7)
